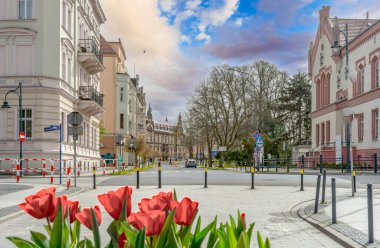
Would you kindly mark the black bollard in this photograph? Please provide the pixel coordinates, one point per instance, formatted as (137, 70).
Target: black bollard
(333, 200)
(252, 177)
(370, 213)
(317, 194)
(320, 163)
(323, 186)
(205, 176)
(302, 171)
(159, 175)
(375, 163)
(354, 178)
(137, 178)
(94, 176)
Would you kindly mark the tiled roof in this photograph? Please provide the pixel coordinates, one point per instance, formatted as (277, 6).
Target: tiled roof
(355, 27)
(105, 47)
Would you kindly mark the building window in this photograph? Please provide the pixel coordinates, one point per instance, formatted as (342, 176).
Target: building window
(327, 132)
(25, 9)
(360, 82)
(360, 127)
(375, 73)
(64, 66)
(323, 133)
(121, 121)
(375, 124)
(26, 123)
(317, 134)
(121, 94)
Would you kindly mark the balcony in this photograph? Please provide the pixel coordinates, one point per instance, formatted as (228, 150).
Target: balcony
(90, 100)
(90, 56)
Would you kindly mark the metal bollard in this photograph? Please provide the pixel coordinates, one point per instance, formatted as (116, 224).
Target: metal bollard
(252, 177)
(302, 171)
(320, 163)
(159, 175)
(323, 186)
(354, 177)
(375, 163)
(317, 194)
(370, 213)
(94, 176)
(333, 200)
(205, 177)
(137, 178)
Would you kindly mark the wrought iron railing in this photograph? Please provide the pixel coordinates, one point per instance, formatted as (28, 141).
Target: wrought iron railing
(90, 46)
(90, 93)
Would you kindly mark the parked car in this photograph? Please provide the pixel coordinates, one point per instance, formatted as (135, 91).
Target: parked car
(191, 163)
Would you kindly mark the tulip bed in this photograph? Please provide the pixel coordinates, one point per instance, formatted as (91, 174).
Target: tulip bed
(161, 222)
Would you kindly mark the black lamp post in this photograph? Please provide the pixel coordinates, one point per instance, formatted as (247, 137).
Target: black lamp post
(337, 49)
(6, 105)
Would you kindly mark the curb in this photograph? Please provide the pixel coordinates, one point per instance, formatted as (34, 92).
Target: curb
(340, 231)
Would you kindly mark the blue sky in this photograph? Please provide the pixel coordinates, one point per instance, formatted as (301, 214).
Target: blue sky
(184, 39)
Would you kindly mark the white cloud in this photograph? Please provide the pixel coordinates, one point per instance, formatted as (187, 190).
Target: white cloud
(167, 75)
(219, 16)
(203, 36)
(239, 22)
(167, 5)
(192, 5)
(185, 39)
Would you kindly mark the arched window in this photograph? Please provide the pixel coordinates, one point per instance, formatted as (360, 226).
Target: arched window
(375, 73)
(323, 90)
(318, 91)
(360, 81)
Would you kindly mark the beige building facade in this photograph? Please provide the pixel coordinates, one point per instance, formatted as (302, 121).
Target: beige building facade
(58, 63)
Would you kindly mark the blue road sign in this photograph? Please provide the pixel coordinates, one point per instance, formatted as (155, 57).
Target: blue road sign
(214, 153)
(51, 128)
(260, 141)
(256, 134)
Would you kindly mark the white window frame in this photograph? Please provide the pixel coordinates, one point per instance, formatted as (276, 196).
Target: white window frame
(377, 76)
(121, 94)
(16, 123)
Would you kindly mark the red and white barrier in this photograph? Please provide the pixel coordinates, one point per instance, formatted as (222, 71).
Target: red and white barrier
(104, 168)
(68, 177)
(43, 169)
(18, 173)
(51, 173)
(78, 168)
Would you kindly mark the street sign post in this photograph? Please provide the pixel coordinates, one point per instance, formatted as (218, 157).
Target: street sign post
(22, 136)
(75, 119)
(53, 128)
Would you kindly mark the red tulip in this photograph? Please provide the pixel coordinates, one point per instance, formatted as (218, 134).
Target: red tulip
(242, 217)
(121, 240)
(72, 205)
(166, 196)
(39, 207)
(153, 221)
(84, 216)
(113, 201)
(146, 205)
(40, 194)
(185, 212)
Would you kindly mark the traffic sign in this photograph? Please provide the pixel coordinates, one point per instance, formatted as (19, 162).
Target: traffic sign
(260, 141)
(75, 131)
(75, 118)
(214, 153)
(222, 148)
(120, 159)
(22, 136)
(256, 134)
(52, 128)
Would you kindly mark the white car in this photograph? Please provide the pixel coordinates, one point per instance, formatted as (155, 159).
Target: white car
(191, 163)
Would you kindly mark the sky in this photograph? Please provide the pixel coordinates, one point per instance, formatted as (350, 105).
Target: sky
(172, 45)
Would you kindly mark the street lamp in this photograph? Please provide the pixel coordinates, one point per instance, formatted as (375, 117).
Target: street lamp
(337, 48)
(6, 105)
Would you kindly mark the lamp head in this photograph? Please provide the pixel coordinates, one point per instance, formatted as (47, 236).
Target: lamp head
(5, 105)
(336, 47)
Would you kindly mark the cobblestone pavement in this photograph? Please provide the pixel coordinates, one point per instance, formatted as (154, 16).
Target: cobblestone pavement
(270, 207)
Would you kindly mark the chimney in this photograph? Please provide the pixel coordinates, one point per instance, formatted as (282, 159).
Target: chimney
(324, 13)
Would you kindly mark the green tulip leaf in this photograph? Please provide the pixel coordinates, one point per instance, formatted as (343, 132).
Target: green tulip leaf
(172, 239)
(249, 232)
(56, 232)
(174, 195)
(66, 229)
(233, 226)
(223, 242)
(88, 243)
(22, 243)
(261, 242)
(76, 231)
(112, 230)
(165, 230)
(212, 239)
(242, 241)
(140, 239)
(198, 226)
(47, 229)
(231, 236)
(123, 214)
(200, 236)
(95, 229)
(39, 239)
(130, 233)
(240, 224)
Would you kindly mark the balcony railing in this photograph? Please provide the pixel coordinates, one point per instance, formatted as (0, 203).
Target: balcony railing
(90, 46)
(91, 94)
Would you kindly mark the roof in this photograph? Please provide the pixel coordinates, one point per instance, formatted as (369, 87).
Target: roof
(105, 47)
(121, 47)
(355, 27)
(164, 123)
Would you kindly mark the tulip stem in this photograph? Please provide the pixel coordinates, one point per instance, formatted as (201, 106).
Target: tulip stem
(47, 219)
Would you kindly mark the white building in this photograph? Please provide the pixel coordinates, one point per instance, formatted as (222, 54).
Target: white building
(52, 47)
(340, 99)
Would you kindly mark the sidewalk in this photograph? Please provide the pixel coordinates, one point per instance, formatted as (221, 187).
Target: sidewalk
(272, 208)
(352, 216)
